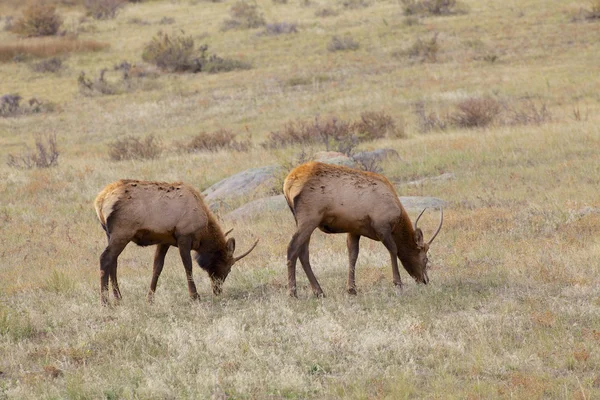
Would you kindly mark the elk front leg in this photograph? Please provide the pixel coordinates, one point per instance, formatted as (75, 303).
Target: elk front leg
(390, 245)
(159, 262)
(298, 239)
(185, 249)
(352, 243)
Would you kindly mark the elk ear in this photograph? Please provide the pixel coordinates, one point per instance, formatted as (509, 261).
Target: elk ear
(419, 238)
(230, 246)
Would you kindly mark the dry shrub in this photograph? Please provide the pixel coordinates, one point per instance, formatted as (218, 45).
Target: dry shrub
(132, 78)
(243, 16)
(345, 43)
(377, 125)
(10, 106)
(431, 7)
(103, 9)
(177, 53)
(428, 121)
(47, 47)
(424, 50)
(326, 12)
(52, 65)
(526, 112)
(134, 148)
(354, 4)
(38, 20)
(475, 112)
(593, 13)
(218, 140)
(45, 154)
(279, 28)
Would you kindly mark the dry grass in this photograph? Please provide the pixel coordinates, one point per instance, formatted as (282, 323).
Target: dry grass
(47, 47)
(512, 307)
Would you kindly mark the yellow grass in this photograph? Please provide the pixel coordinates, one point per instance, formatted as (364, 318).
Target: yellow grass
(512, 307)
(47, 47)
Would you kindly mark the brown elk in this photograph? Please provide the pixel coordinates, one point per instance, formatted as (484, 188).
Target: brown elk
(339, 199)
(162, 214)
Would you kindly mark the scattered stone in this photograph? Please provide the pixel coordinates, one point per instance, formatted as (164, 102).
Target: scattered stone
(448, 176)
(246, 183)
(335, 158)
(376, 155)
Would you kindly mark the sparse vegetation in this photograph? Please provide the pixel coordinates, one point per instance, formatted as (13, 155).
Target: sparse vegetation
(279, 28)
(38, 20)
(423, 50)
(52, 65)
(103, 9)
(431, 7)
(135, 148)
(47, 47)
(221, 139)
(45, 154)
(326, 12)
(10, 106)
(342, 43)
(244, 15)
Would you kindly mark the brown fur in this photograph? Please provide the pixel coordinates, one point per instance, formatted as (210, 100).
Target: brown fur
(338, 199)
(162, 214)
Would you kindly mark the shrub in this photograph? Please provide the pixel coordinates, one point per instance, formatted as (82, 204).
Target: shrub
(279, 28)
(45, 154)
(339, 43)
(218, 140)
(526, 113)
(428, 121)
(10, 106)
(354, 4)
(47, 47)
(475, 112)
(38, 20)
(376, 125)
(424, 50)
(134, 148)
(243, 16)
(432, 7)
(52, 65)
(326, 12)
(132, 79)
(166, 21)
(177, 53)
(103, 9)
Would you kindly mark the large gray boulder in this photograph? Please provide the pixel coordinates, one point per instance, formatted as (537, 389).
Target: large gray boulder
(277, 203)
(366, 157)
(335, 158)
(252, 182)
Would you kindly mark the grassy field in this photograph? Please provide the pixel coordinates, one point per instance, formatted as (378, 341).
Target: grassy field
(513, 305)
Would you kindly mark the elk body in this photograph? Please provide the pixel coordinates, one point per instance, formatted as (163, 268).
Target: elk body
(165, 215)
(338, 199)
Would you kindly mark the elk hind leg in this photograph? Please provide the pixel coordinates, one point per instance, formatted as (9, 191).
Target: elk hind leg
(108, 267)
(352, 243)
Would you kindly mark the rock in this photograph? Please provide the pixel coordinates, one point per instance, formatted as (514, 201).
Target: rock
(376, 155)
(418, 203)
(334, 157)
(245, 183)
(258, 207)
(448, 176)
(277, 203)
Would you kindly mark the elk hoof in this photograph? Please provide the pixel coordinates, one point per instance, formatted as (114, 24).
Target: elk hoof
(398, 290)
(352, 291)
(195, 297)
(292, 293)
(319, 295)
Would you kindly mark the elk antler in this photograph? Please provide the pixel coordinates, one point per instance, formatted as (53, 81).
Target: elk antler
(236, 259)
(228, 232)
(417, 221)
(439, 227)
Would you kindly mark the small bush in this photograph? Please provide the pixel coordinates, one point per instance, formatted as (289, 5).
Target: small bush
(103, 9)
(38, 20)
(138, 21)
(354, 4)
(243, 16)
(45, 154)
(134, 148)
(132, 79)
(166, 21)
(526, 112)
(177, 53)
(432, 7)
(428, 121)
(345, 43)
(218, 140)
(47, 47)
(376, 125)
(424, 50)
(279, 28)
(52, 65)
(326, 12)
(475, 112)
(10, 106)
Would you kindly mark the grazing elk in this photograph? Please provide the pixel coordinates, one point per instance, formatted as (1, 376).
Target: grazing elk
(164, 214)
(338, 199)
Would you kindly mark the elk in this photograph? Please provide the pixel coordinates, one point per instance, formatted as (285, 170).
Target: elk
(162, 214)
(339, 199)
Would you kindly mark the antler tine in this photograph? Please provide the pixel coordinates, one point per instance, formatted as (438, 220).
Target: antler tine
(236, 259)
(228, 232)
(417, 221)
(439, 227)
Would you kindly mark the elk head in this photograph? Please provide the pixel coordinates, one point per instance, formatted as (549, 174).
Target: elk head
(417, 262)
